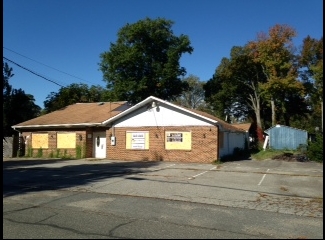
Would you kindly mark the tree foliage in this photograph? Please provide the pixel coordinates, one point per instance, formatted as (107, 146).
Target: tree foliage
(260, 81)
(311, 64)
(74, 93)
(144, 61)
(275, 52)
(234, 89)
(17, 105)
(193, 97)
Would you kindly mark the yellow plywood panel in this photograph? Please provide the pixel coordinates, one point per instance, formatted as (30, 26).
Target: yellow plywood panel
(40, 140)
(147, 140)
(66, 140)
(178, 140)
(137, 140)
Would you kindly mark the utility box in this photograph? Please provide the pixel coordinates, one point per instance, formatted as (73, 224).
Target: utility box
(113, 140)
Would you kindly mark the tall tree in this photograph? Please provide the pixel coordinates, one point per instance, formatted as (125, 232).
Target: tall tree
(17, 105)
(193, 97)
(275, 52)
(74, 93)
(144, 61)
(234, 89)
(311, 63)
(6, 75)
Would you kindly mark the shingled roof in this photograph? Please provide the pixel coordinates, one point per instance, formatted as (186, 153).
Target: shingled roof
(99, 114)
(78, 114)
(224, 124)
(243, 126)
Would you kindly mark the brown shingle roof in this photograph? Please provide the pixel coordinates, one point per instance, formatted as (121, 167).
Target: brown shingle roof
(85, 114)
(224, 124)
(79, 113)
(243, 126)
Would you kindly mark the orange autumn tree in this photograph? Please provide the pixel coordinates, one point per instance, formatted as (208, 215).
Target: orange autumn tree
(275, 52)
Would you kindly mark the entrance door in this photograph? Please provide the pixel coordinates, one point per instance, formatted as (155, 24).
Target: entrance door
(100, 144)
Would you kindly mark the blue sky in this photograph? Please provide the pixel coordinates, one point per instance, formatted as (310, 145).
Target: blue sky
(61, 40)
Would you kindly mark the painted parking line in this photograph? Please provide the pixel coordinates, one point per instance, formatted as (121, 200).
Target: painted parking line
(262, 178)
(202, 173)
(157, 169)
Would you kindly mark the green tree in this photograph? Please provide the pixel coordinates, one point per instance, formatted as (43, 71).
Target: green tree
(275, 52)
(17, 105)
(144, 61)
(74, 93)
(234, 89)
(193, 97)
(311, 64)
(6, 75)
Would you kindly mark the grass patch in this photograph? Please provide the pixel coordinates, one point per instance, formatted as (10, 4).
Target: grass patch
(270, 153)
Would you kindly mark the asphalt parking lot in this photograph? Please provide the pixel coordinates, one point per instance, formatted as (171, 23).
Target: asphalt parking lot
(269, 185)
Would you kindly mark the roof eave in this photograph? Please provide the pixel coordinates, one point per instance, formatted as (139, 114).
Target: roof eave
(58, 125)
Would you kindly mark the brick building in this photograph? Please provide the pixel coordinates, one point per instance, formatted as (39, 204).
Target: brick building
(152, 130)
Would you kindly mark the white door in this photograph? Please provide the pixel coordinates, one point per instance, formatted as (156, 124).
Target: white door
(100, 144)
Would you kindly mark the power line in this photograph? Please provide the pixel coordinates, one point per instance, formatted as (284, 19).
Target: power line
(33, 72)
(48, 66)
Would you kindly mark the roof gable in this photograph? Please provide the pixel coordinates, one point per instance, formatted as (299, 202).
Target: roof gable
(148, 102)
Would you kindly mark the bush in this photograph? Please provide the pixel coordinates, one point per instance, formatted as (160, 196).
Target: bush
(39, 152)
(78, 151)
(315, 149)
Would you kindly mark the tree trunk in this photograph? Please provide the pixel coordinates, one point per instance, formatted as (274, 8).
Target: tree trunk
(256, 106)
(259, 130)
(321, 104)
(273, 112)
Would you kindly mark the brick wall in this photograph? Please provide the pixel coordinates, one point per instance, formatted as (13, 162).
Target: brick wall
(204, 145)
(52, 151)
(203, 148)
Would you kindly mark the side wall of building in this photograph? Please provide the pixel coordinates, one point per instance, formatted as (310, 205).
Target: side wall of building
(204, 145)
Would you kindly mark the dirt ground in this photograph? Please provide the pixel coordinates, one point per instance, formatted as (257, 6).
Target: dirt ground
(289, 157)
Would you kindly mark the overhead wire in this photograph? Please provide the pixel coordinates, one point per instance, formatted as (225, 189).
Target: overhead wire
(32, 72)
(47, 65)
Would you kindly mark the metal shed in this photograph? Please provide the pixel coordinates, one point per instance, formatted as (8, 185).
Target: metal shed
(285, 137)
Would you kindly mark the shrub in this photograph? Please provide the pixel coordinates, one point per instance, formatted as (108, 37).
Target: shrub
(29, 152)
(315, 149)
(40, 153)
(57, 155)
(81, 151)
(78, 151)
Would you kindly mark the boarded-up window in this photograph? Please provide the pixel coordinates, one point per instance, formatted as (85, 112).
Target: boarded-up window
(221, 139)
(178, 140)
(40, 140)
(66, 140)
(137, 140)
